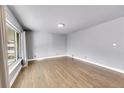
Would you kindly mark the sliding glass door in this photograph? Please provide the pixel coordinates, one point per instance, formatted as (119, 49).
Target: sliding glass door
(12, 44)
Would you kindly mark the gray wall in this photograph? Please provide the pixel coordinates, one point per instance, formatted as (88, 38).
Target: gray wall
(96, 44)
(41, 44)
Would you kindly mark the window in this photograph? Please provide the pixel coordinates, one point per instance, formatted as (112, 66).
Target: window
(12, 44)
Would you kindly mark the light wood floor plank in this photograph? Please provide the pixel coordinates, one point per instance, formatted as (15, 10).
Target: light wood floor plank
(66, 72)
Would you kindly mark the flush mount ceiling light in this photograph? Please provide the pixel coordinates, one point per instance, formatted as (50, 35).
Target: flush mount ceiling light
(114, 44)
(61, 25)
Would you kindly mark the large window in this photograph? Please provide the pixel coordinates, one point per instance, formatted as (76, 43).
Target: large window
(12, 44)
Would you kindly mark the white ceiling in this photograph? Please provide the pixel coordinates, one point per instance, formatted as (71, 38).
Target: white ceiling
(46, 18)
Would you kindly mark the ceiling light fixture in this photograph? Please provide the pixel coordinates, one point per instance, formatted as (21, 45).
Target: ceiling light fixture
(61, 25)
(114, 44)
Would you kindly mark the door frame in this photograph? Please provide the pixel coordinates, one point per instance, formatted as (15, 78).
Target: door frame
(4, 76)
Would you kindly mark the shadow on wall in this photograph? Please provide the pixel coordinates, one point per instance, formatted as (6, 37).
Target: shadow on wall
(42, 44)
(29, 44)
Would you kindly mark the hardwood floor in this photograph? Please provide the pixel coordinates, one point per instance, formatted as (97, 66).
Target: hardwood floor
(67, 72)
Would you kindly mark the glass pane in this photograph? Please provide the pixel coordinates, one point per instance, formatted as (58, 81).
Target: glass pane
(11, 45)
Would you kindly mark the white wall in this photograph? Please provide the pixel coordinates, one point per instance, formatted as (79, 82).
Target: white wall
(95, 44)
(41, 44)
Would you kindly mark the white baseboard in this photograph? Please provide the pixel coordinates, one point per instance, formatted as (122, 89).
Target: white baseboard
(15, 76)
(12, 68)
(47, 57)
(107, 67)
(84, 60)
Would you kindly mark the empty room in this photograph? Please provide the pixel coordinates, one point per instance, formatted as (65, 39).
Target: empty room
(62, 46)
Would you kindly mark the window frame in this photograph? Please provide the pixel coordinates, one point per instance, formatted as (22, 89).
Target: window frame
(17, 42)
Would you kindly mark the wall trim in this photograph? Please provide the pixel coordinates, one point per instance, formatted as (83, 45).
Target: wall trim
(12, 68)
(46, 57)
(4, 77)
(12, 26)
(84, 60)
(91, 62)
(15, 76)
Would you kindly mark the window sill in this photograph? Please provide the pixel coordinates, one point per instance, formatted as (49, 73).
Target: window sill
(14, 65)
